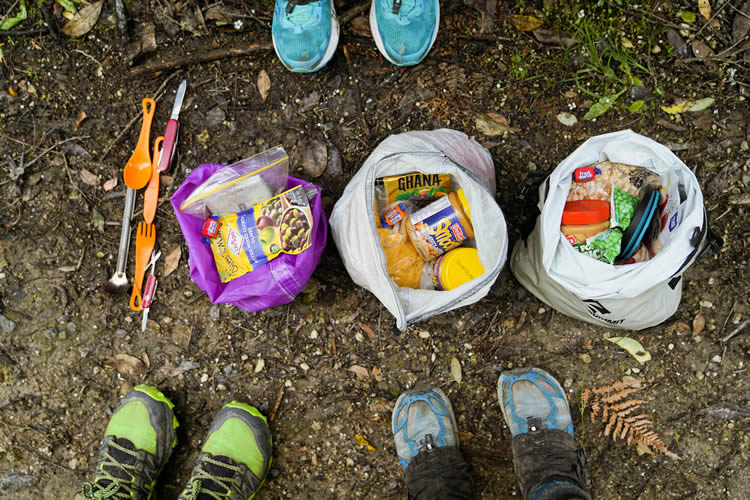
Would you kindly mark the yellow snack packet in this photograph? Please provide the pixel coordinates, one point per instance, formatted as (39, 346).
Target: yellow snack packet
(249, 239)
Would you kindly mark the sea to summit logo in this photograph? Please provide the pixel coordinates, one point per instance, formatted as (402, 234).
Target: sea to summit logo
(596, 309)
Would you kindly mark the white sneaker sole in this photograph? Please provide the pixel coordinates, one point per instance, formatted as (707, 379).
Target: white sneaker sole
(379, 41)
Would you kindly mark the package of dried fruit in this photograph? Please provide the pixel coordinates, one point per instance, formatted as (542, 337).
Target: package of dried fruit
(249, 239)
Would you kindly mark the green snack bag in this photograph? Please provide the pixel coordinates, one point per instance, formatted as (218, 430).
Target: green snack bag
(606, 245)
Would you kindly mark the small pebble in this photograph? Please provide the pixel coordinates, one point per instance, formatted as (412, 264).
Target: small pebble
(214, 313)
(716, 359)
(359, 336)
(541, 311)
(349, 462)
(304, 366)
(62, 335)
(288, 383)
(585, 357)
(50, 333)
(568, 383)
(670, 346)
(244, 357)
(71, 327)
(706, 304)
(424, 334)
(221, 387)
(204, 377)
(699, 375)
(314, 334)
(636, 370)
(120, 332)
(6, 324)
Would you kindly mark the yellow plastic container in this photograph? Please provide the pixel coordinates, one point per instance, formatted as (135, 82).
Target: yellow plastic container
(455, 268)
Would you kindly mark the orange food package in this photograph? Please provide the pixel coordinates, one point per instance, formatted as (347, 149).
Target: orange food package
(404, 265)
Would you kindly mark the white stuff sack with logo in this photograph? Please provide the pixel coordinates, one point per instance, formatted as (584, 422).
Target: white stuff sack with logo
(632, 296)
(353, 219)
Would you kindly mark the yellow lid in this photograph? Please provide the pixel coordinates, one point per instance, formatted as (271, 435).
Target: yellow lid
(464, 202)
(457, 267)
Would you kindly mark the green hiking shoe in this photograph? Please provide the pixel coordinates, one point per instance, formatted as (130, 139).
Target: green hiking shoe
(236, 457)
(137, 443)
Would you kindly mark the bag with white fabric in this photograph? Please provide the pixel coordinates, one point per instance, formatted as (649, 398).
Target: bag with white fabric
(631, 296)
(354, 227)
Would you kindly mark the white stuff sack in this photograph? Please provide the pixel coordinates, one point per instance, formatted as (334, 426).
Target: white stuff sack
(353, 219)
(632, 296)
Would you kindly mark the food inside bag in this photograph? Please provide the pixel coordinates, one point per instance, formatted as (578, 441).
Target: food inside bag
(644, 212)
(247, 240)
(421, 225)
(238, 187)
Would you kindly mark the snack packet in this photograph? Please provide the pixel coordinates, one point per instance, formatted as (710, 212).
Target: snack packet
(606, 246)
(404, 265)
(418, 189)
(595, 182)
(249, 239)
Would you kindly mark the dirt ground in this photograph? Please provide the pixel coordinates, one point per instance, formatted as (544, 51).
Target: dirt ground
(59, 231)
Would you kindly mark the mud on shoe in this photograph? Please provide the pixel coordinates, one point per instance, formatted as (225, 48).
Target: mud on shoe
(424, 428)
(137, 443)
(305, 33)
(545, 454)
(404, 30)
(235, 458)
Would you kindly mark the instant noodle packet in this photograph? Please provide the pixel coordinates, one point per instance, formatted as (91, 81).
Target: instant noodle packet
(249, 239)
(418, 189)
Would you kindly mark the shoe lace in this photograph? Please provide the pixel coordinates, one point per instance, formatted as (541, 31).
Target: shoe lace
(214, 486)
(106, 485)
(428, 444)
(292, 3)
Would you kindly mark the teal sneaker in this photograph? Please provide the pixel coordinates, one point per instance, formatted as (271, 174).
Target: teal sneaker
(137, 443)
(305, 33)
(545, 454)
(422, 420)
(404, 30)
(235, 458)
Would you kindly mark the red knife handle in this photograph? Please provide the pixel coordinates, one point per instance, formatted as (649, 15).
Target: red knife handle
(170, 138)
(148, 291)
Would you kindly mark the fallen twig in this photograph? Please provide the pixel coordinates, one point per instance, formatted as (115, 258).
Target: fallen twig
(55, 146)
(203, 57)
(278, 403)
(736, 331)
(31, 31)
(352, 13)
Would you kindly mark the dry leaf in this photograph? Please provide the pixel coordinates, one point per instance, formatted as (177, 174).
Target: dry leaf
(88, 177)
(361, 26)
(683, 105)
(555, 37)
(525, 23)
(259, 365)
(264, 84)
(377, 374)
(83, 21)
(741, 23)
(679, 326)
(360, 372)
(699, 323)
(171, 261)
(704, 7)
(456, 369)
(81, 116)
(110, 184)
(493, 124)
(633, 347)
(127, 364)
(366, 328)
(363, 442)
(145, 359)
(701, 50)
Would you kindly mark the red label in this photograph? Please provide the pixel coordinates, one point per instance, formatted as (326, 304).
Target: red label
(572, 240)
(210, 228)
(458, 233)
(234, 241)
(584, 174)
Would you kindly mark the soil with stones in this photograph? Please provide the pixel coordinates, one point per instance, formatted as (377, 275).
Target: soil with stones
(60, 224)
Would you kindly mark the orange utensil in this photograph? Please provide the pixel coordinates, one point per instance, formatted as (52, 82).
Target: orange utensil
(138, 169)
(144, 246)
(151, 195)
